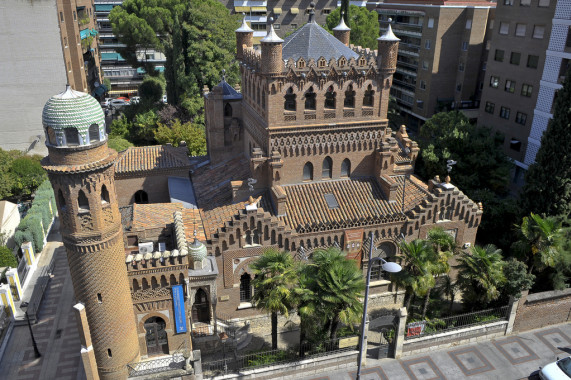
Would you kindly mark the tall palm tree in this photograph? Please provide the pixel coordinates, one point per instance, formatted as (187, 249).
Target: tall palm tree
(306, 301)
(540, 241)
(274, 276)
(481, 274)
(443, 246)
(338, 283)
(417, 262)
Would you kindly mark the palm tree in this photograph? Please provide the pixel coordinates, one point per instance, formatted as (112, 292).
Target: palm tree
(443, 246)
(274, 275)
(450, 288)
(306, 302)
(481, 274)
(416, 276)
(540, 241)
(338, 283)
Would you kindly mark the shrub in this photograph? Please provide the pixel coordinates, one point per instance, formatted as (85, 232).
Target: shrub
(7, 258)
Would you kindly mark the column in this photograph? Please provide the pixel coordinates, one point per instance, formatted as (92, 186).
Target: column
(399, 336)
(6, 298)
(29, 255)
(14, 282)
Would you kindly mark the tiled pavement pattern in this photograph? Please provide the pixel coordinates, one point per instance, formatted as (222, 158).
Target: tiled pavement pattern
(56, 334)
(509, 358)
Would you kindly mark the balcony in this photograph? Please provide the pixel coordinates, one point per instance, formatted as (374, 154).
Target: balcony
(409, 52)
(402, 70)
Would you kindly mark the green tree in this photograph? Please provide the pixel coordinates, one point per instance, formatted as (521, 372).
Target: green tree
(547, 188)
(120, 128)
(449, 288)
(152, 89)
(481, 276)
(6, 179)
(307, 303)
(7, 258)
(540, 242)
(339, 284)
(417, 264)
(443, 246)
(27, 174)
(194, 136)
(143, 128)
(274, 275)
(118, 144)
(197, 38)
(517, 279)
(364, 25)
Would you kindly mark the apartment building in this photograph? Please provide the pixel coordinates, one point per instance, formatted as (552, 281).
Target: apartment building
(288, 14)
(441, 57)
(124, 79)
(79, 45)
(557, 60)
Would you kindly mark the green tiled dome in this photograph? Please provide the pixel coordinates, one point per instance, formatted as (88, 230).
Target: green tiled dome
(197, 251)
(72, 109)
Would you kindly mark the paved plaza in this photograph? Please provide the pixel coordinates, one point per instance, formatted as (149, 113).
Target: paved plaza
(509, 358)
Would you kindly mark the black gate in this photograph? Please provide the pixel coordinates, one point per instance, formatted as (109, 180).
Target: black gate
(382, 332)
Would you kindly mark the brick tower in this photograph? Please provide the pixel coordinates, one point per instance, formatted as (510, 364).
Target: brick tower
(272, 63)
(388, 46)
(81, 169)
(342, 32)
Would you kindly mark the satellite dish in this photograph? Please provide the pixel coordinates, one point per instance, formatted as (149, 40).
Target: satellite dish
(391, 267)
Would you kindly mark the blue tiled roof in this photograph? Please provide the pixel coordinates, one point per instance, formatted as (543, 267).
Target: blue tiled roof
(312, 41)
(228, 91)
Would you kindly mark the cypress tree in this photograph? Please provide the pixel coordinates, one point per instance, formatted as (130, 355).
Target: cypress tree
(548, 181)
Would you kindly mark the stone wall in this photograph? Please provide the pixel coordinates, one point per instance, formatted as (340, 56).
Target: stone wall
(542, 309)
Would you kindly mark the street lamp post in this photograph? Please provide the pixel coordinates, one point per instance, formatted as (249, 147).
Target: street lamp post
(24, 307)
(387, 267)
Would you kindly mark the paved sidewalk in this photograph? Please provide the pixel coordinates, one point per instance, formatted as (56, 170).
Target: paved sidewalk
(55, 332)
(511, 357)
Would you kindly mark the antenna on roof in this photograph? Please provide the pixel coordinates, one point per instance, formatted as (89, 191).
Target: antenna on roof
(224, 75)
(311, 11)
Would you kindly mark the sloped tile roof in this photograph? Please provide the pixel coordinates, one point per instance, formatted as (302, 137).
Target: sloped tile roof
(154, 214)
(192, 220)
(415, 191)
(149, 158)
(212, 182)
(312, 41)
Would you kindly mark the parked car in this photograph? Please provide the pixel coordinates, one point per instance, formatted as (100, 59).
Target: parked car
(558, 370)
(135, 99)
(117, 104)
(164, 99)
(124, 98)
(105, 103)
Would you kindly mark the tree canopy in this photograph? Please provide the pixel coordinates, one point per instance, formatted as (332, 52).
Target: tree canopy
(20, 174)
(364, 25)
(547, 188)
(194, 136)
(196, 37)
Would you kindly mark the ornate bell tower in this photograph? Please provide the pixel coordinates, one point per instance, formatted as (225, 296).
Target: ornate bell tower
(80, 168)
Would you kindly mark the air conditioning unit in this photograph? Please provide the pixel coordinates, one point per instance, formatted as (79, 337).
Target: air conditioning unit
(146, 248)
(162, 247)
(467, 245)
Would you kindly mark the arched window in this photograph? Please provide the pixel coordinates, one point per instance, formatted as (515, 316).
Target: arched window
(104, 195)
(141, 196)
(94, 133)
(326, 167)
(201, 307)
(227, 110)
(349, 97)
(51, 136)
(71, 136)
(369, 97)
(245, 288)
(330, 98)
(308, 172)
(61, 200)
(82, 201)
(289, 103)
(310, 99)
(346, 168)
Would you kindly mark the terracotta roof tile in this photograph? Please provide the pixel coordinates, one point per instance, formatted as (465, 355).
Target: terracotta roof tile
(415, 189)
(148, 158)
(154, 214)
(192, 219)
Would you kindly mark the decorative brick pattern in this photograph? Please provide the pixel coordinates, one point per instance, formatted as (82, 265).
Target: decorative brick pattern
(515, 351)
(376, 373)
(422, 369)
(555, 339)
(471, 361)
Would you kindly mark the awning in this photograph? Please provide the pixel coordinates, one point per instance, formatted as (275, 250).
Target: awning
(160, 69)
(100, 90)
(125, 90)
(103, 7)
(259, 9)
(277, 11)
(242, 9)
(294, 11)
(83, 34)
(111, 57)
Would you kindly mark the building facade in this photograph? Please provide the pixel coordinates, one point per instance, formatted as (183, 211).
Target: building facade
(520, 81)
(302, 158)
(80, 45)
(441, 56)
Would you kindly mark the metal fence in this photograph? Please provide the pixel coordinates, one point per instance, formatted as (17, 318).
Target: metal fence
(168, 363)
(275, 357)
(438, 325)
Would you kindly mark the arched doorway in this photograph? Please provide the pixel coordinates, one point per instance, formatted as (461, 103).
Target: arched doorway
(156, 336)
(201, 308)
(245, 287)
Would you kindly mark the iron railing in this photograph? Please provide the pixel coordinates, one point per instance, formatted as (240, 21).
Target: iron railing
(438, 325)
(276, 357)
(148, 367)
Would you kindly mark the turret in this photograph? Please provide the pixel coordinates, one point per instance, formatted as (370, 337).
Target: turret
(272, 62)
(81, 170)
(342, 32)
(244, 36)
(388, 49)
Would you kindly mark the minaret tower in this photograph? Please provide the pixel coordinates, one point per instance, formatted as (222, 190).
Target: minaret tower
(272, 63)
(244, 36)
(342, 32)
(81, 169)
(388, 47)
